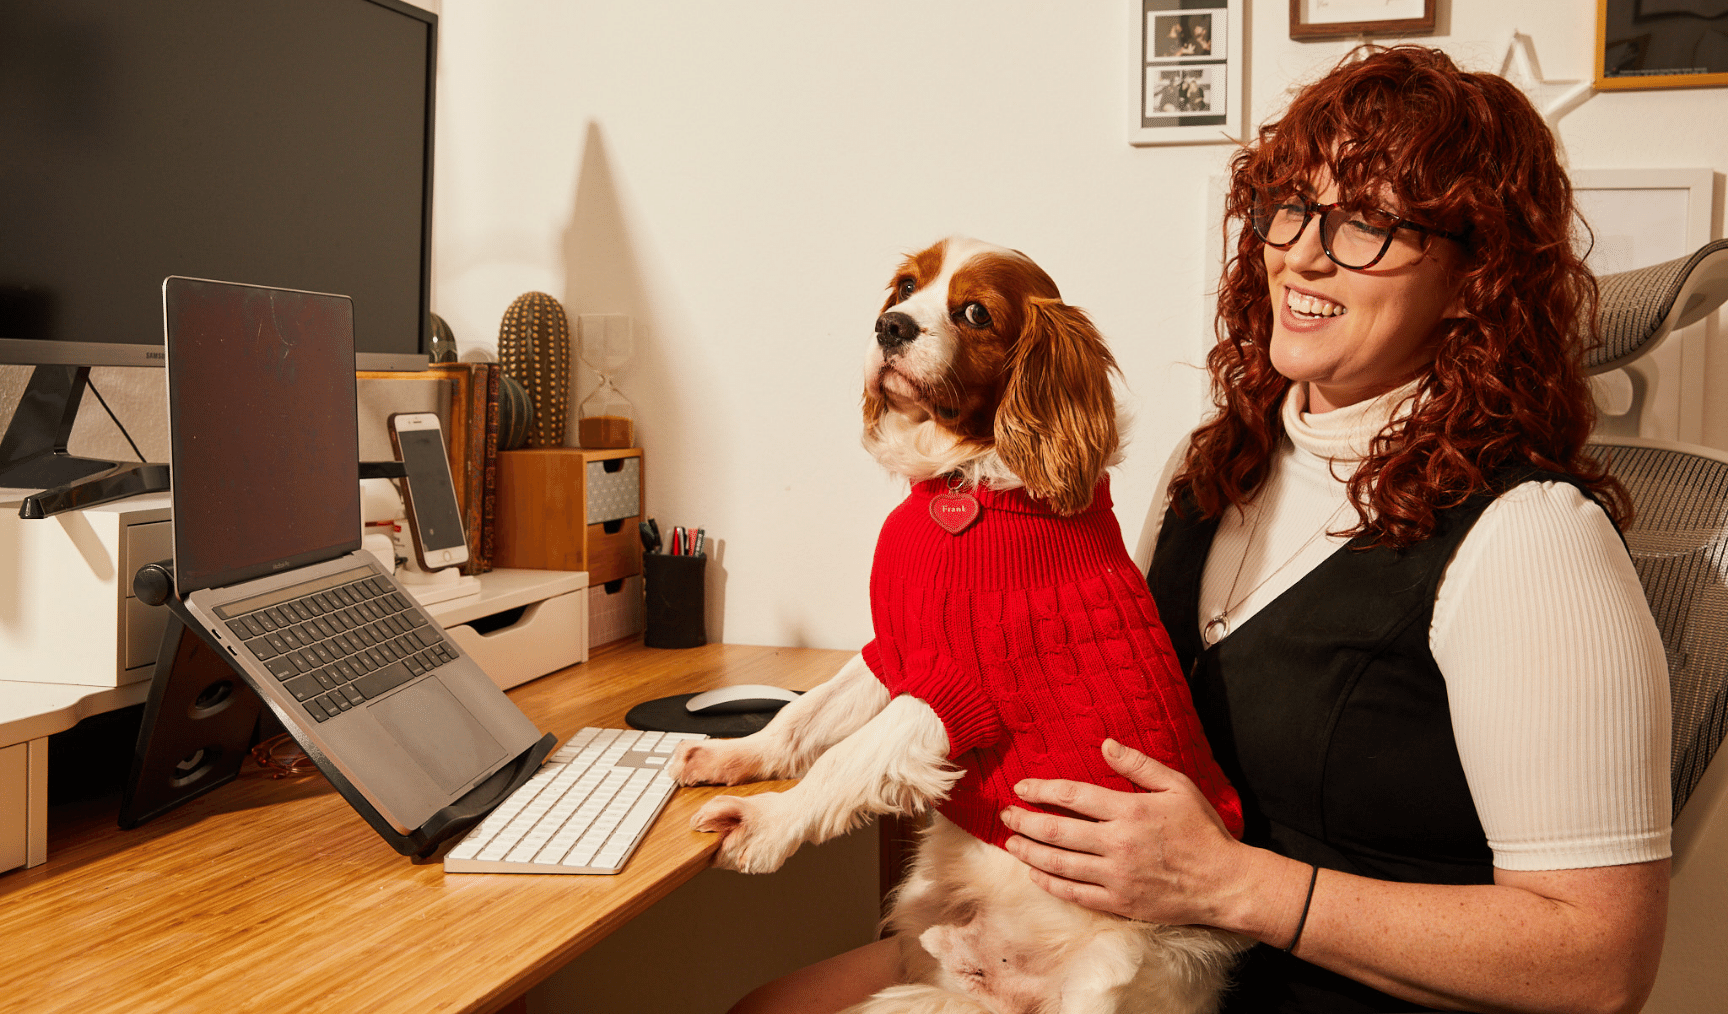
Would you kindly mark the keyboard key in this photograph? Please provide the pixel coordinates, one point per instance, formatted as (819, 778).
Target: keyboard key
(263, 618)
(302, 661)
(304, 688)
(281, 668)
(384, 680)
(262, 648)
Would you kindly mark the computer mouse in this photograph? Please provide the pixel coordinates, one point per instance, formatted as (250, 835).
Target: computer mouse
(740, 699)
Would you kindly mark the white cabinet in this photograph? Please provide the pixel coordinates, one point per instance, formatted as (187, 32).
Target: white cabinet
(67, 612)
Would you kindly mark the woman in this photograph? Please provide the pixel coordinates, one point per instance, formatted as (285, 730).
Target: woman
(1451, 736)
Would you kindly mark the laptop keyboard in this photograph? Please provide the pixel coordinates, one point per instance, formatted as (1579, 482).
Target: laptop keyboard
(335, 644)
(585, 811)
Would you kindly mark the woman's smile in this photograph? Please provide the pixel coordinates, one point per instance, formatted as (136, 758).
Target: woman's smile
(1355, 334)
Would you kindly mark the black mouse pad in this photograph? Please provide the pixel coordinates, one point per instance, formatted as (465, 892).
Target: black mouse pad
(668, 715)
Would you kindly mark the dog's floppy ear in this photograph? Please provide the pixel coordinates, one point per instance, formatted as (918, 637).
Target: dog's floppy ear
(1056, 426)
(874, 407)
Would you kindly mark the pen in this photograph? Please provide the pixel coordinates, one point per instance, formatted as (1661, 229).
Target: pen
(701, 536)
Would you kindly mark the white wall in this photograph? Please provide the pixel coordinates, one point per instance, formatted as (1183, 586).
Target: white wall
(742, 177)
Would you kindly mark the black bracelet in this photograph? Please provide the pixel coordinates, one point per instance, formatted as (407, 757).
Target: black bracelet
(1303, 921)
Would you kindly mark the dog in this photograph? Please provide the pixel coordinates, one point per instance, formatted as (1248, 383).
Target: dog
(1013, 634)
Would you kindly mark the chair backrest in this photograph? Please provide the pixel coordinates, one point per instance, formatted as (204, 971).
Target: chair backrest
(1679, 545)
(1639, 308)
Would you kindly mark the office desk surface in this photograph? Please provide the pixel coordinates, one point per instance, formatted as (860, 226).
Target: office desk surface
(273, 895)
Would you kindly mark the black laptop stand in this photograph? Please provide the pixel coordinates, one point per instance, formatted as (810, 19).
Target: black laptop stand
(200, 720)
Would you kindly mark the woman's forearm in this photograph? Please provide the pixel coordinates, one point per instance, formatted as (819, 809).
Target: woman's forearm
(1568, 940)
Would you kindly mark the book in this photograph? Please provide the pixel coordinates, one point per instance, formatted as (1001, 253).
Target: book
(489, 472)
(468, 447)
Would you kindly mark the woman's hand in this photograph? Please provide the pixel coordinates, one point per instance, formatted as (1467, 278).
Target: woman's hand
(1160, 856)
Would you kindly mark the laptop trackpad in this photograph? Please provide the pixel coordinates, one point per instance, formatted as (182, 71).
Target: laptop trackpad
(433, 727)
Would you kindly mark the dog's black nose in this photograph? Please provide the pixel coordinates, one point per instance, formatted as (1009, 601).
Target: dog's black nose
(894, 329)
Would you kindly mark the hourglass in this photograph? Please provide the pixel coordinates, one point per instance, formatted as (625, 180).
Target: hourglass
(607, 417)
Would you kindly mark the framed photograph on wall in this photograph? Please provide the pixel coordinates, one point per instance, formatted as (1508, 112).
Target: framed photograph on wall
(1335, 19)
(1185, 79)
(1637, 218)
(1661, 43)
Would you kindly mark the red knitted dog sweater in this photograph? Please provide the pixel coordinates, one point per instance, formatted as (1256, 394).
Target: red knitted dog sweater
(1034, 638)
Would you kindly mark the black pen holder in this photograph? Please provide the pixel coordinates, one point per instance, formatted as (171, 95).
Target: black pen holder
(677, 600)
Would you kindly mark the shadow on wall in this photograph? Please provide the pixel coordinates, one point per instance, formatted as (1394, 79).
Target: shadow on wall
(604, 273)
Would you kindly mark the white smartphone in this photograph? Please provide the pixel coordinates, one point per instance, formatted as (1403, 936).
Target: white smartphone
(434, 519)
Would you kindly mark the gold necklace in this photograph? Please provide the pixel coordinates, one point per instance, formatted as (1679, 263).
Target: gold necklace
(1218, 627)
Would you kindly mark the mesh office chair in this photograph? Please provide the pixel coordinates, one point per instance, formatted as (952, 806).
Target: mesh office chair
(1679, 544)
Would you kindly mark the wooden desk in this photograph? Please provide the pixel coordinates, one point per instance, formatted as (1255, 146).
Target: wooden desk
(273, 895)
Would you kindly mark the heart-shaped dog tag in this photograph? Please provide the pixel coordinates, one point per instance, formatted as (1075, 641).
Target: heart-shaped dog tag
(955, 512)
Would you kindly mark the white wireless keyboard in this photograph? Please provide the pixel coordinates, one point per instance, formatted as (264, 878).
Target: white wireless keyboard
(585, 811)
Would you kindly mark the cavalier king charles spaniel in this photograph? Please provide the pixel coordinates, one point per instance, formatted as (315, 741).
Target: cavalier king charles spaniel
(1013, 634)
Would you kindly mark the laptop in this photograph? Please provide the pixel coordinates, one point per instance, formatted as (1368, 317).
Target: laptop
(267, 558)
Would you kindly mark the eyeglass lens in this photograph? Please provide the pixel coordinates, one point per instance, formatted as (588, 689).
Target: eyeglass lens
(1354, 239)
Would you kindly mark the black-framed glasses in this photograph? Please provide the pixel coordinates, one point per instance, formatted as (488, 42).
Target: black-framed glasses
(1352, 238)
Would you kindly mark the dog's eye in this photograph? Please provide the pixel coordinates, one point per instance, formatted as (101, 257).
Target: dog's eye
(976, 315)
(904, 292)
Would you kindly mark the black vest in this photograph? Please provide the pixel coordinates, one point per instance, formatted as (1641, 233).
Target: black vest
(1329, 715)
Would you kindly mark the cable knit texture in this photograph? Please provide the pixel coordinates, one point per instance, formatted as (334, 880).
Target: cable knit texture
(1034, 638)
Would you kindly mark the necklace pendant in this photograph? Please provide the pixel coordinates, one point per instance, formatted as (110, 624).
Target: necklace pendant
(1215, 629)
(955, 512)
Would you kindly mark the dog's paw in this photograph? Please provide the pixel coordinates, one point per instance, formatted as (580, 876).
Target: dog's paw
(714, 762)
(753, 836)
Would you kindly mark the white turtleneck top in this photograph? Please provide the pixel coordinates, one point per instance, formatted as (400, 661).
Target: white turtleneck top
(1554, 669)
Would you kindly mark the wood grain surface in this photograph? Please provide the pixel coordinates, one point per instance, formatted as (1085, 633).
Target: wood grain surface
(273, 895)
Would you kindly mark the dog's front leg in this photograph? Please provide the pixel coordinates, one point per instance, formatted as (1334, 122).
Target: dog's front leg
(897, 763)
(787, 746)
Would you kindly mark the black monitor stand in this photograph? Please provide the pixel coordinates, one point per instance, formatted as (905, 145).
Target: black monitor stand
(33, 451)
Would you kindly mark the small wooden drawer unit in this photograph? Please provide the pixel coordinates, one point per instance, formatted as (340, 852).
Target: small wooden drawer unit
(567, 508)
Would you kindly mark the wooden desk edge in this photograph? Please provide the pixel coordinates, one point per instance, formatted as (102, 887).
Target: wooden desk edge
(193, 874)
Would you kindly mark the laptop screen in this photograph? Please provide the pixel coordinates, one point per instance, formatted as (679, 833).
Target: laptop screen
(262, 425)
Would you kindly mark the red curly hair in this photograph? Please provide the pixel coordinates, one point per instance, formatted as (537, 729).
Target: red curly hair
(1466, 153)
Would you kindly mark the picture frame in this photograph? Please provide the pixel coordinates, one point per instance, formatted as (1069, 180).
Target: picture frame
(1660, 44)
(1336, 19)
(1186, 71)
(1640, 217)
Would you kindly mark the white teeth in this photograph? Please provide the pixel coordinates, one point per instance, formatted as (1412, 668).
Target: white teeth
(1312, 306)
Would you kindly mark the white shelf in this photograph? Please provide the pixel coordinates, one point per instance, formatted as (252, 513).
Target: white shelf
(507, 589)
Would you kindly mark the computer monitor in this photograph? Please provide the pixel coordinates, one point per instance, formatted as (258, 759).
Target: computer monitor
(279, 142)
